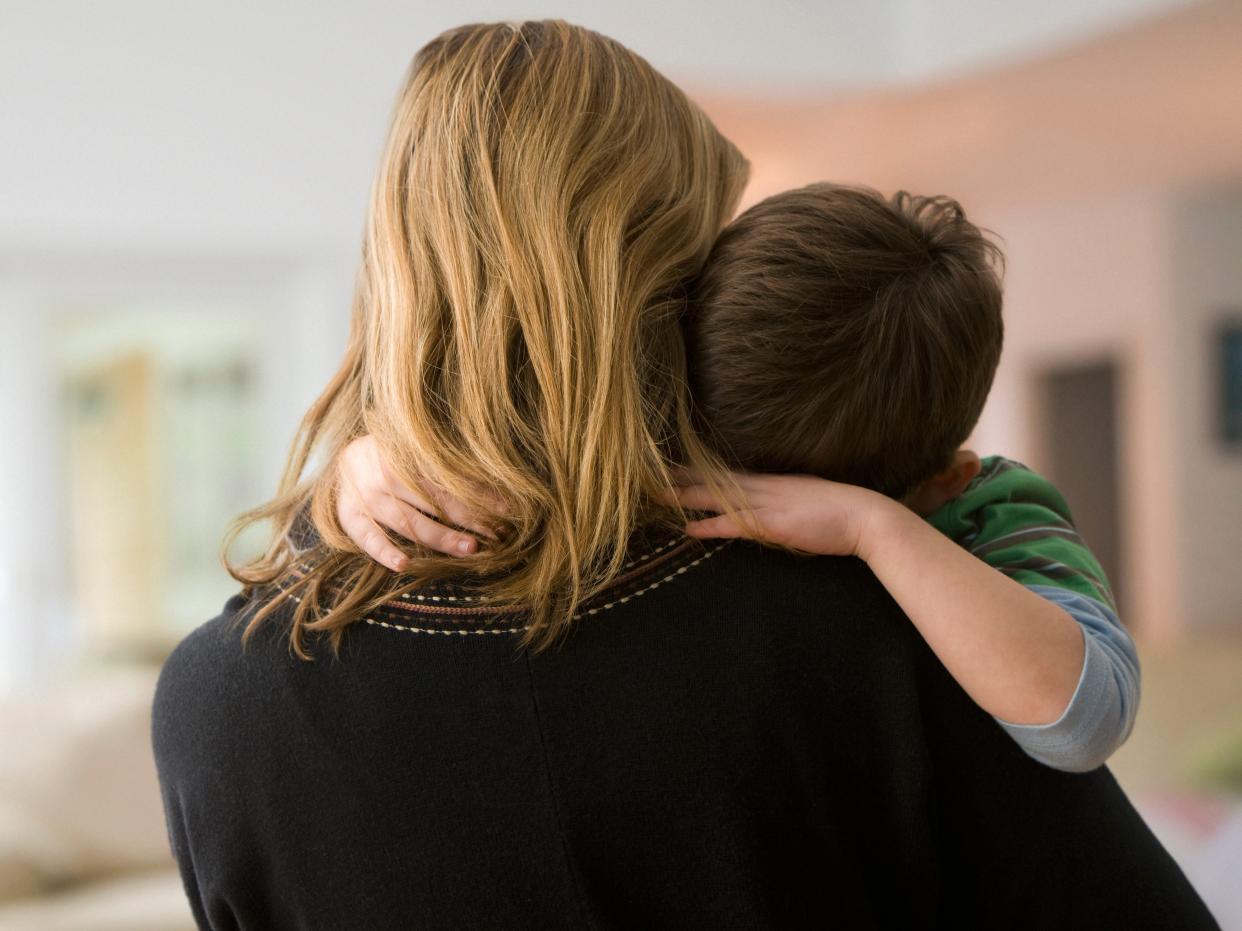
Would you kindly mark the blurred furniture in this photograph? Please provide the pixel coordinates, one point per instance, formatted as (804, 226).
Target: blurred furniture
(82, 840)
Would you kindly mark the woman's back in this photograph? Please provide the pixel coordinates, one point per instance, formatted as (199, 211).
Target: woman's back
(728, 737)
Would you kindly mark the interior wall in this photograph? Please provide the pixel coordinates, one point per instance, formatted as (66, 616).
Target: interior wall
(1205, 240)
(295, 305)
(953, 35)
(1149, 108)
(112, 458)
(1087, 280)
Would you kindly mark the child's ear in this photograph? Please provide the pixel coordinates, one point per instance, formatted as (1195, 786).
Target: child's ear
(965, 469)
(944, 486)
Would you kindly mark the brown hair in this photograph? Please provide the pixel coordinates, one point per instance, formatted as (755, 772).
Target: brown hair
(542, 202)
(840, 334)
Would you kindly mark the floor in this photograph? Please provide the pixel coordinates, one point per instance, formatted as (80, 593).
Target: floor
(1172, 766)
(1191, 705)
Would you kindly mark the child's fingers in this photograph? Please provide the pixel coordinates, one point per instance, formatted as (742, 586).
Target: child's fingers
(435, 535)
(447, 505)
(365, 529)
(715, 527)
(496, 505)
(413, 524)
(755, 482)
(372, 540)
(351, 512)
(700, 498)
(456, 512)
(495, 508)
(403, 493)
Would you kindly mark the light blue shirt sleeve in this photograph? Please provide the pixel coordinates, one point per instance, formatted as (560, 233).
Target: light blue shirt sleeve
(1100, 715)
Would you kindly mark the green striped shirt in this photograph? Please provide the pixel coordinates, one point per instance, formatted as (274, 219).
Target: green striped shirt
(1016, 521)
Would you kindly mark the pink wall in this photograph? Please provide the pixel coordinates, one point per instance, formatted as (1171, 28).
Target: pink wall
(1089, 279)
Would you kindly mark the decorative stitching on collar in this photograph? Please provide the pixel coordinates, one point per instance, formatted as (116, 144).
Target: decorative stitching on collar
(471, 631)
(406, 596)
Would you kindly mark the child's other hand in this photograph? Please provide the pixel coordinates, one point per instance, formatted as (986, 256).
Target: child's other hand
(799, 511)
(370, 498)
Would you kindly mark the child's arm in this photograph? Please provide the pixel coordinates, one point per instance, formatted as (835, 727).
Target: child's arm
(1018, 522)
(1018, 653)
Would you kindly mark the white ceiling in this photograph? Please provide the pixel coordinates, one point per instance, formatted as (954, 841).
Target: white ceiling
(241, 122)
(939, 38)
(805, 45)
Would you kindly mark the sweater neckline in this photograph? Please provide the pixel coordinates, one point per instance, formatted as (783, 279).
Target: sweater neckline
(449, 607)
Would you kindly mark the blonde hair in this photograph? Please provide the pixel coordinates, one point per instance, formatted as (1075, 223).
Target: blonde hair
(542, 199)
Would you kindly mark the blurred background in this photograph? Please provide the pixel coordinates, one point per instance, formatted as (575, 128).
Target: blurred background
(181, 203)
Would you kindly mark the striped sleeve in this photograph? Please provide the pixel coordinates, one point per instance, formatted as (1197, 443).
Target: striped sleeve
(1017, 522)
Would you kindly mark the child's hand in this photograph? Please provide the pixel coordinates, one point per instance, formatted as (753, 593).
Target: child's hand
(799, 511)
(370, 498)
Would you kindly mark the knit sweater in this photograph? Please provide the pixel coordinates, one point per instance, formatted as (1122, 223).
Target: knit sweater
(730, 737)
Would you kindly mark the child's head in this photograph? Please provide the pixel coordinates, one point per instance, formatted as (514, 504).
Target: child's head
(844, 335)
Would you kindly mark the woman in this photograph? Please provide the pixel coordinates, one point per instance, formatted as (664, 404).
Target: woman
(723, 736)
(542, 198)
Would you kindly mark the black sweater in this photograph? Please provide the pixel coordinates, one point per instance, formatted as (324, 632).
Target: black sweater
(732, 737)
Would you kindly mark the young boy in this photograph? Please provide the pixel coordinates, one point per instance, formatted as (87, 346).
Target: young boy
(844, 345)
(855, 338)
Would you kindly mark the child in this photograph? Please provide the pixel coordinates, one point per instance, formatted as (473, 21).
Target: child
(845, 344)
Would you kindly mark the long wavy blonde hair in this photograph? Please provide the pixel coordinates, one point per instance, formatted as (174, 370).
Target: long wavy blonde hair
(543, 197)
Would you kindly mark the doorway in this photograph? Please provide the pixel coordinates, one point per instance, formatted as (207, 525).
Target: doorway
(1078, 413)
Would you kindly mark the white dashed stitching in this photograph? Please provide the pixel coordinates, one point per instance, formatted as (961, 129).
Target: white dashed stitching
(633, 562)
(581, 614)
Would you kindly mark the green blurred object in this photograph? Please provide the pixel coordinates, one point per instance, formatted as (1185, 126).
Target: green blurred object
(1217, 765)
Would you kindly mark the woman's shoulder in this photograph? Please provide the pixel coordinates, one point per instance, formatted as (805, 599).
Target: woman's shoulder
(796, 583)
(207, 654)
(208, 683)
